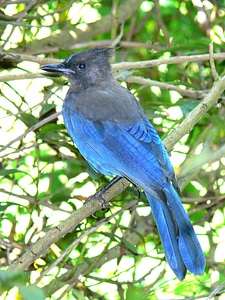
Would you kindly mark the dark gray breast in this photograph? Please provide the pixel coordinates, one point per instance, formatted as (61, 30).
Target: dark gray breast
(111, 103)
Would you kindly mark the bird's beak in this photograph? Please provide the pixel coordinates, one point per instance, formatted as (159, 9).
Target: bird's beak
(57, 68)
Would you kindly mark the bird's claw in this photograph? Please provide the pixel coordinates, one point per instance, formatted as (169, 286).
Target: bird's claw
(104, 203)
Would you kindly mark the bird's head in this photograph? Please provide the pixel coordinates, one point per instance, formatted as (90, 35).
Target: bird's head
(85, 68)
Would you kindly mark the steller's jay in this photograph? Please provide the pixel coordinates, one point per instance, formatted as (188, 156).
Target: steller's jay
(111, 131)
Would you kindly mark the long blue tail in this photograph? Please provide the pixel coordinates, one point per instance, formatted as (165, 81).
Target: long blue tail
(182, 248)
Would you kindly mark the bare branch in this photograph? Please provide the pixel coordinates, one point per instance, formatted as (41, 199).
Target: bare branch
(17, 57)
(166, 86)
(171, 60)
(192, 118)
(212, 62)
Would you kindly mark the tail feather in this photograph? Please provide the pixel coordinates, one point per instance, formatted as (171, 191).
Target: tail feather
(182, 248)
(169, 236)
(189, 245)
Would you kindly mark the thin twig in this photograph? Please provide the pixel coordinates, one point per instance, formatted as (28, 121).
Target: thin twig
(6, 78)
(212, 62)
(217, 291)
(17, 57)
(210, 100)
(20, 18)
(119, 37)
(32, 128)
(167, 86)
(164, 61)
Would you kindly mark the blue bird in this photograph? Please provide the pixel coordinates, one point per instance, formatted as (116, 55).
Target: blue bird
(111, 131)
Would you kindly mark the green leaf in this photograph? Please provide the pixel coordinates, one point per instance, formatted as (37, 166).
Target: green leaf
(129, 246)
(61, 196)
(46, 108)
(5, 205)
(31, 292)
(51, 127)
(28, 119)
(10, 277)
(11, 172)
(136, 293)
(187, 105)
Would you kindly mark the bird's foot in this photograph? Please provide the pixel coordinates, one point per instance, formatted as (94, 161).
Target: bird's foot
(99, 195)
(104, 203)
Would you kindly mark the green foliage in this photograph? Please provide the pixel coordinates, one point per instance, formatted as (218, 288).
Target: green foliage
(14, 284)
(115, 253)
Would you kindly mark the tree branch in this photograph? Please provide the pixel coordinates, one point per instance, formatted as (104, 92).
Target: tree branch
(167, 61)
(210, 100)
(54, 234)
(166, 86)
(18, 57)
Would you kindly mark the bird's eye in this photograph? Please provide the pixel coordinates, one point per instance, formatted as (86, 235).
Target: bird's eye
(81, 66)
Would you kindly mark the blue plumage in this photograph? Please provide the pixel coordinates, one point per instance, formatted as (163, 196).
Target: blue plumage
(111, 131)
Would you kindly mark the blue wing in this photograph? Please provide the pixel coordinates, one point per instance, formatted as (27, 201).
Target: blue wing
(137, 153)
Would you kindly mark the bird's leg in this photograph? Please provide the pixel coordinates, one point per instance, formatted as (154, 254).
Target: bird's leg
(110, 184)
(100, 193)
(137, 189)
